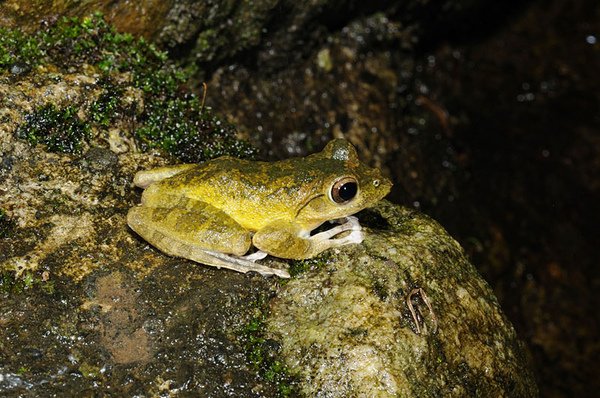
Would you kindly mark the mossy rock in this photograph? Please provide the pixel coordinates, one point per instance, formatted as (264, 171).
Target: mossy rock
(404, 314)
(80, 83)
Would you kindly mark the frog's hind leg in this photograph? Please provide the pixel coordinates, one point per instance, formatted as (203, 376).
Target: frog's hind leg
(258, 255)
(199, 232)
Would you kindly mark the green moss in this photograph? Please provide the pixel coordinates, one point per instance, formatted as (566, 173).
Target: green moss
(182, 128)
(205, 44)
(10, 284)
(28, 280)
(73, 42)
(298, 267)
(89, 371)
(108, 107)
(61, 130)
(171, 121)
(262, 354)
(17, 47)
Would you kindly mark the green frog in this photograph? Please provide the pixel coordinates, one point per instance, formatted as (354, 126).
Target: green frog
(214, 212)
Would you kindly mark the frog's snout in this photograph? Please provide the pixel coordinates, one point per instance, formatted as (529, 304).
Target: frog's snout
(382, 185)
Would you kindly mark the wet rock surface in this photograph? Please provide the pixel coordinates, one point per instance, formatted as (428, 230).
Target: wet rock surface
(88, 307)
(175, 330)
(403, 314)
(489, 126)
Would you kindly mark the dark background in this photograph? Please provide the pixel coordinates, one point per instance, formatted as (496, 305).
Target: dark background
(526, 98)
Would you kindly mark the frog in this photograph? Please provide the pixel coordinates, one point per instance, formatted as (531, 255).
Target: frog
(230, 213)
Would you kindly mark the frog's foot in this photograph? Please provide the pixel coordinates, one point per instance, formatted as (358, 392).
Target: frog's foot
(243, 264)
(287, 240)
(257, 255)
(351, 224)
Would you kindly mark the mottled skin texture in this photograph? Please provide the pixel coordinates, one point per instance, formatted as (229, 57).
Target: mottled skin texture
(214, 212)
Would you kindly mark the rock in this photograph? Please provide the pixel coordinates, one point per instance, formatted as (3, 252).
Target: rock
(274, 32)
(87, 307)
(403, 314)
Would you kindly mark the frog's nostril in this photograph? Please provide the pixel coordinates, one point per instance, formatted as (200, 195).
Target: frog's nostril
(376, 183)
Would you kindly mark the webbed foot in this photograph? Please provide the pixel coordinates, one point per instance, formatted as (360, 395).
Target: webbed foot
(257, 255)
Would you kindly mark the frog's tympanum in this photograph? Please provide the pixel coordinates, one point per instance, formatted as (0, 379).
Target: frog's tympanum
(213, 212)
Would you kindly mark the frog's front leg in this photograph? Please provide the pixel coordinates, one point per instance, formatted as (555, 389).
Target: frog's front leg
(199, 232)
(287, 240)
(351, 224)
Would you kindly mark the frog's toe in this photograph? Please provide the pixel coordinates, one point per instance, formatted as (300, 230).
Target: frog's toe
(354, 225)
(356, 236)
(241, 264)
(258, 255)
(351, 224)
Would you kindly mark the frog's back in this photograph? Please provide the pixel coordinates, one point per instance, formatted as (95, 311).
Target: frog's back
(252, 193)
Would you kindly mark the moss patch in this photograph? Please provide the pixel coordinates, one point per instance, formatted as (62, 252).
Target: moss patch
(298, 267)
(169, 119)
(72, 42)
(263, 354)
(181, 127)
(10, 284)
(61, 130)
(108, 107)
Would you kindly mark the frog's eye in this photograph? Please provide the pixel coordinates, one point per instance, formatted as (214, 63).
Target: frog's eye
(344, 189)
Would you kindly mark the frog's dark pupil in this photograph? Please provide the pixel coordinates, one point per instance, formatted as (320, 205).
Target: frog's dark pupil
(348, 191)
